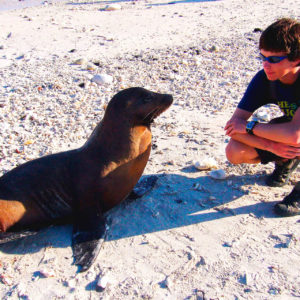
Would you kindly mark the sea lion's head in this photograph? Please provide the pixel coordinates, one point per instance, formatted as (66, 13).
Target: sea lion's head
(138, 105)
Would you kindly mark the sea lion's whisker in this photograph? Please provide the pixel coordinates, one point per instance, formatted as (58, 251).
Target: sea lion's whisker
(152, 113)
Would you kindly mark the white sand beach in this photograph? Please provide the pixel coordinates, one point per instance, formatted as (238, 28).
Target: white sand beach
(192, 236)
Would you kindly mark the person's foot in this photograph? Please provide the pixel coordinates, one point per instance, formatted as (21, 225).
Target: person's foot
(282, 173)
(290, 205)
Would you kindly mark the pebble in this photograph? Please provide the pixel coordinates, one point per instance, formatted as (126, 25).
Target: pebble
(198, 187)
(201, 262)
(243, 279)
(218, 174)
(112, 7)
(72, 284)
(102, 79)
(102, 282)
(274, 290)
(47, 273)
(90, 276)
(227, 244)
(21, 290)
(6, 279)
(169, 283)
(214, 48)
(198, 61)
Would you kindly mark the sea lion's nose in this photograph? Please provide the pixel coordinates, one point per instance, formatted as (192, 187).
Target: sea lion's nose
(168, 99)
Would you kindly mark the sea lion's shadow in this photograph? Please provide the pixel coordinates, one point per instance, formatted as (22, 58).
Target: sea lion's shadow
(54, 236)
(175, 201)
(178, 201)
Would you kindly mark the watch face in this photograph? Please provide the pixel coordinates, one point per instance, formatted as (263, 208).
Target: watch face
(250, 125)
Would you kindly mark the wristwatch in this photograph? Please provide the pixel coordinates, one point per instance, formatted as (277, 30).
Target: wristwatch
(250, 125)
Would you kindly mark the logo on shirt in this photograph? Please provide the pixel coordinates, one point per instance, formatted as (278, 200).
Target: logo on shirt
(288, 108)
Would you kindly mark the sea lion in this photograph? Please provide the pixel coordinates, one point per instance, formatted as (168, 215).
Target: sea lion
(82, 184)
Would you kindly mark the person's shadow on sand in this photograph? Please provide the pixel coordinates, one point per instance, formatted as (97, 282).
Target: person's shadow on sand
(175, 201)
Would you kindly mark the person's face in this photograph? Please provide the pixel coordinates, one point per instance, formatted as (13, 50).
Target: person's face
(285, 70)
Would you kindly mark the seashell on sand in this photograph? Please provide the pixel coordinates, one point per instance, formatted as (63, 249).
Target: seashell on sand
(217, 174)
(91, 67)
(206, 163)
(101, 79)
(47, 273)
(80, 61)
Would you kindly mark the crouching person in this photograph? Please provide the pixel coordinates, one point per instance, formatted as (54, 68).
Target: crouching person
(279, 140)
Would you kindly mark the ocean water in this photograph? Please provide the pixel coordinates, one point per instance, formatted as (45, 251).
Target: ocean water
(17, 4)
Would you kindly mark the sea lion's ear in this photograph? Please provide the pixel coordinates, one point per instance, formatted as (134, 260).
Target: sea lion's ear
(129, 103)
(88, 236)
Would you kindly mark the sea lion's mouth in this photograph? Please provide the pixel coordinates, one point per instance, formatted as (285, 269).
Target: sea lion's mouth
(155, 112)
(152, 115)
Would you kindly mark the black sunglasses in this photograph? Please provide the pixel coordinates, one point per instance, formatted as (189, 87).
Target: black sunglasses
(272, 59)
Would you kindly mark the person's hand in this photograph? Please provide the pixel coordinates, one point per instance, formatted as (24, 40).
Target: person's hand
(285, 150)
(234, 126)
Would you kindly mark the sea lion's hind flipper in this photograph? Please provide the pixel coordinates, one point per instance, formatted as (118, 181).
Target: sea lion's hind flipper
(88, 236)
(144, 186)
(6, 237)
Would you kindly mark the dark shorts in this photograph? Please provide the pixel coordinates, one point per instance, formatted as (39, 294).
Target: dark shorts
(267, 156)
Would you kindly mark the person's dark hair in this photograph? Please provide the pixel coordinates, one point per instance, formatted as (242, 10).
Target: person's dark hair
(282, 36)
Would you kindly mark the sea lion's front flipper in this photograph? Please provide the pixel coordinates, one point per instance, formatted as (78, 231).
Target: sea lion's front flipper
(88, 236)
(144, 186)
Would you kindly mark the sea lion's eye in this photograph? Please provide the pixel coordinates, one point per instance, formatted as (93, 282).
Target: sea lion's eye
(148, 99)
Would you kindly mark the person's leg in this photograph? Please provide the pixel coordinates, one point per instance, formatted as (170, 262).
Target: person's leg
(282, 172)
(238, 153)
(283, 167)
(290, 205)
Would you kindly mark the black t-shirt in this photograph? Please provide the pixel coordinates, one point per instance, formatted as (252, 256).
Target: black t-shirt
(262, 91)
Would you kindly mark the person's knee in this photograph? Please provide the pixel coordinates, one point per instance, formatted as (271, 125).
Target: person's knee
(232, 155)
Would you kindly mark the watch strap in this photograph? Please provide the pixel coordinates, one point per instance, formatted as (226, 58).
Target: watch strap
(250, 126)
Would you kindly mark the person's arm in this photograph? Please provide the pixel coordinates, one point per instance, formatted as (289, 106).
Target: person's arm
(240, 114)
(238, 122)
(288, 133)
(236, 129)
